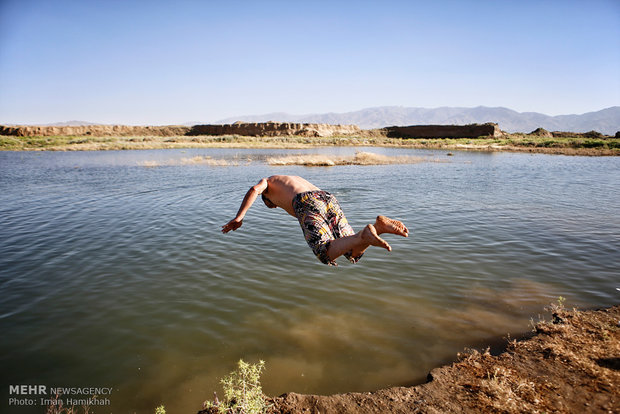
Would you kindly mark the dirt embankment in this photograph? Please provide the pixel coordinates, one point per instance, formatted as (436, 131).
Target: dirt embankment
(267, 129)
(571, 365)
(541, 132)
(274, 129)
(444, 131)
(474, 137)
(280, 129)
(94, 130)
(259, 129)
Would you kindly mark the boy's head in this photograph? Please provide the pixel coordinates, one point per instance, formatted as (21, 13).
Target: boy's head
(267, 201)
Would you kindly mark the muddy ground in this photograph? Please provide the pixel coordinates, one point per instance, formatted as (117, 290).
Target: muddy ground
(571, 364)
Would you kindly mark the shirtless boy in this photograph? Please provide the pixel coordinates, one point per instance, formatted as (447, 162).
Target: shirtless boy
(325, 227)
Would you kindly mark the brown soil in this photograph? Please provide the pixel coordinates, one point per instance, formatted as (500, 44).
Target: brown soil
(596, 152)
(263, 129)
(94, 130)
(570, 365)
(541, 132)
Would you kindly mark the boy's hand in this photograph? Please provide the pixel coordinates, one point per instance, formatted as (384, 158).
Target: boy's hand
(233, 225)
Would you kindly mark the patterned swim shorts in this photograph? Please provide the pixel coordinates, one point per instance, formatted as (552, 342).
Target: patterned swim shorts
(322, 221)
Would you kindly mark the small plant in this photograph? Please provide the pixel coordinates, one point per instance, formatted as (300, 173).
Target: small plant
(561, 301)
(242, 391)
(508, 391)
(55, 405)
(557, 310)
(533, 324)
(160, 410)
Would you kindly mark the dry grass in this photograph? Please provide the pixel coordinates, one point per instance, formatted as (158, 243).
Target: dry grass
(197, 160)
(313, 160)
(360, 158)
(206, 160)
(505, 390)
(509, 142)
(150, 164)
(56, 405)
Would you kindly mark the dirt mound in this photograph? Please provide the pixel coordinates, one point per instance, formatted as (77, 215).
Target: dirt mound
(541, 132)
(94, 130)
(444, 131)
(572, 364)
(262, 129)
(566, 134)
(273, 129)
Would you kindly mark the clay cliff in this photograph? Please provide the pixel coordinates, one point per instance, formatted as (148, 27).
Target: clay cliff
(246, 129)
(94, 130)
(272, 129)
(258, 129)
(444, 131)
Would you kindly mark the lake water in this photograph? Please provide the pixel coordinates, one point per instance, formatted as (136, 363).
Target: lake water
(114, 272)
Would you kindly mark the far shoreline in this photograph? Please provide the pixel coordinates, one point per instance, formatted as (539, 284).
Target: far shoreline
(522, 143)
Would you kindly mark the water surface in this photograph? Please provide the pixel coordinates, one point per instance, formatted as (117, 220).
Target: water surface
(114, 273)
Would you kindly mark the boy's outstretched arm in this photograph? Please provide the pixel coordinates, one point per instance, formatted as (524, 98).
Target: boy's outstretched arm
(247, 202)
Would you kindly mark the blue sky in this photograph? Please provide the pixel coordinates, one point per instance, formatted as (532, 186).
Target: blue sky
(160, 62)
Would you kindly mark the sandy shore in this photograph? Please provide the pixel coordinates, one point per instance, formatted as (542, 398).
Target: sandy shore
(571, 364)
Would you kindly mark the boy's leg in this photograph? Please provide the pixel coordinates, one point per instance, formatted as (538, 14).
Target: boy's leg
(356, 243)
(387, 225)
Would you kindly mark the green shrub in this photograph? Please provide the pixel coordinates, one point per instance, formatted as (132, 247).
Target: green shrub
(242, 391)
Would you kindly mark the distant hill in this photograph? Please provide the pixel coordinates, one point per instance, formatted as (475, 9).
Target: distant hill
(606, 121)
(60, 124)
(71, 123)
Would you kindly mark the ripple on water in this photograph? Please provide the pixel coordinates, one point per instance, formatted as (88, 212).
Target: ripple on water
(113, 261)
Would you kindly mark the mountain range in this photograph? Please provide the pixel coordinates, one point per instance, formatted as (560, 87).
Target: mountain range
(606, 121)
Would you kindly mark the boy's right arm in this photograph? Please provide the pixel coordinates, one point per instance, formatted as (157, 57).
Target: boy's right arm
(247, 202)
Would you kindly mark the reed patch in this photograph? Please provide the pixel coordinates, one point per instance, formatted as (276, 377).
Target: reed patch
(197, 160)
(360, 158)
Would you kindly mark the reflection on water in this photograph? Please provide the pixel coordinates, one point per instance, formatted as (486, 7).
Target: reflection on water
(113, 274)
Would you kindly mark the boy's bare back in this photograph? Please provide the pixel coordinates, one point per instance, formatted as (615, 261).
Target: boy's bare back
(281, 189)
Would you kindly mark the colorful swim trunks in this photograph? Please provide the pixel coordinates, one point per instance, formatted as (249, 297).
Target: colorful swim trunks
(322, 221)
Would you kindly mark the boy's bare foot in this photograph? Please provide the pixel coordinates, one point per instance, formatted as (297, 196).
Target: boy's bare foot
(388, 225)
(370, 236)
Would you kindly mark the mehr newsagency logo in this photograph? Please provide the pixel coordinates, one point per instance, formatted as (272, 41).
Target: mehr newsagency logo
(42, 395)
